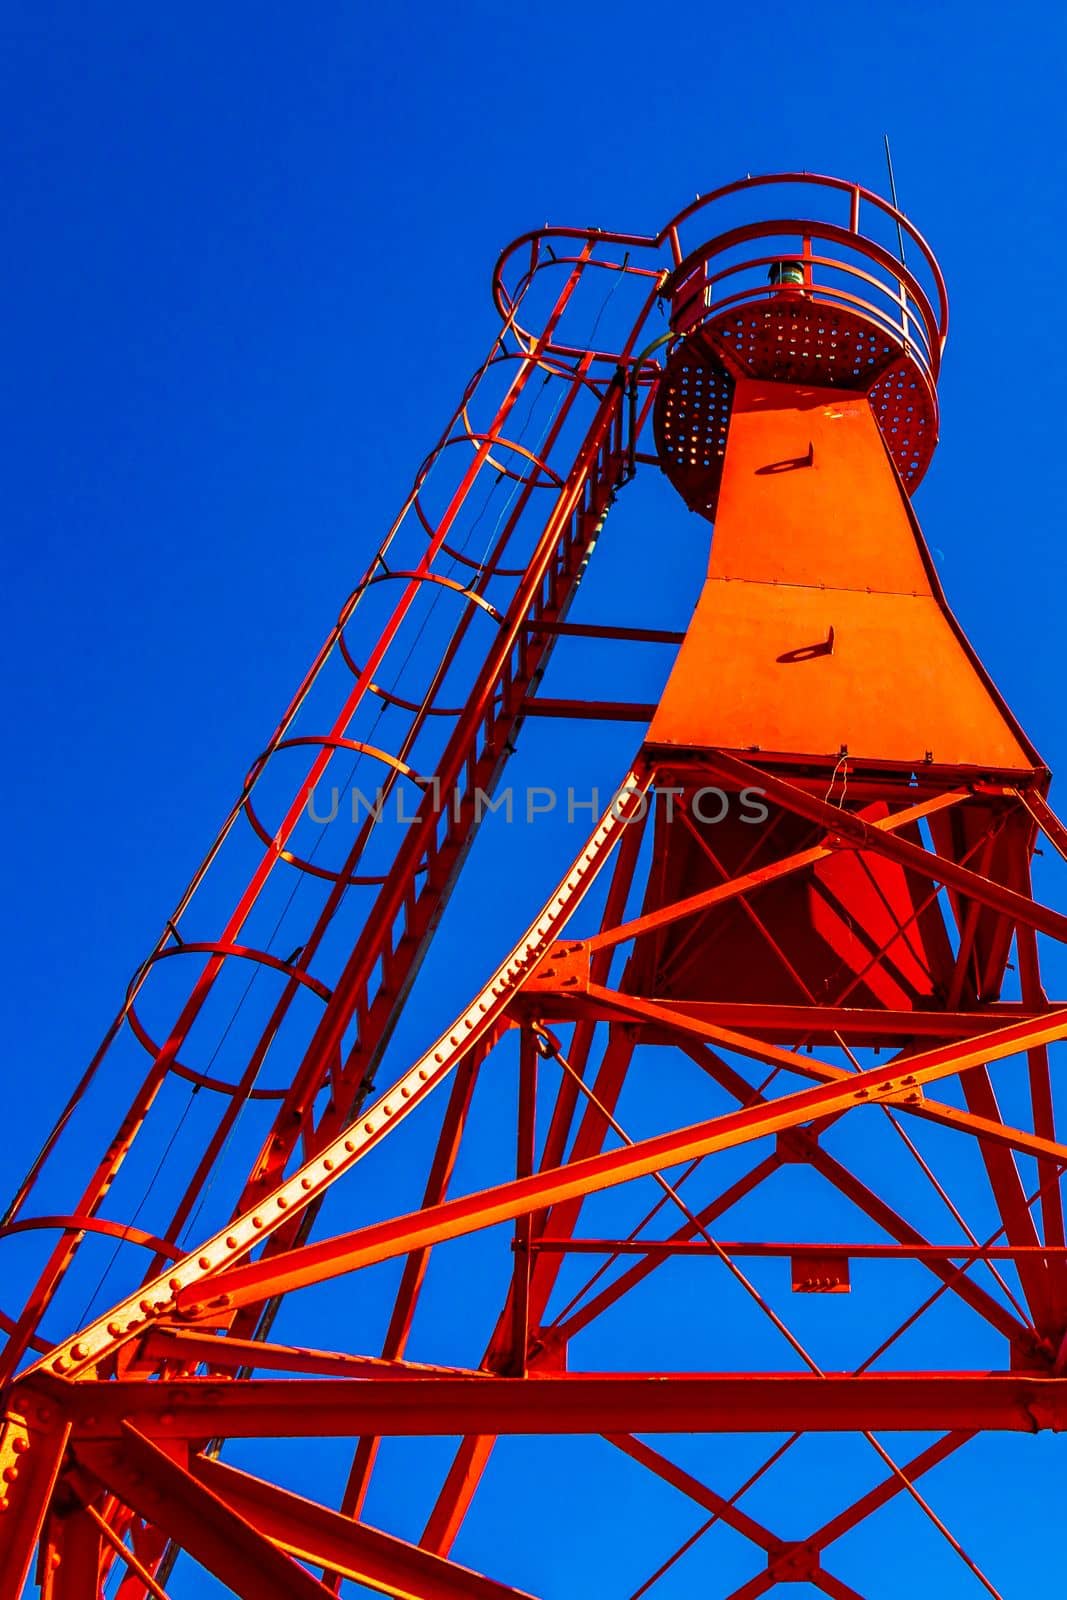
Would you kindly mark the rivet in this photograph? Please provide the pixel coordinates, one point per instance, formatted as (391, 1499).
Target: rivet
(305, 1183)
(327, 1163)
(19, 1445)
(257, 1222)
(282, 1203)
(10, 1474)
(205, 1262)
(176, 1283)
(368, 1127)
(232, 1241)
(350, 1145)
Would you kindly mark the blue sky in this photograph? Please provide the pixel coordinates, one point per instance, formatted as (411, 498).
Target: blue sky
(247, 261)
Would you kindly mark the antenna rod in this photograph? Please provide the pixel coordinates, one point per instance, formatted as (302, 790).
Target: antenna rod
(893, 196)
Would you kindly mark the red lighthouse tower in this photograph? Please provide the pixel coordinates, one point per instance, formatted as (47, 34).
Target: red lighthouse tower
(778, 1032)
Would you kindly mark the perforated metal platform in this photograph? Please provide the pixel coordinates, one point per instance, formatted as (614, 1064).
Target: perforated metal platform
(790, 338)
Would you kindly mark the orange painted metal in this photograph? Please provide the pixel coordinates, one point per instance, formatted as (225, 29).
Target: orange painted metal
(823, 843)
(552, 1403)
(452, 1219)
(822, 630)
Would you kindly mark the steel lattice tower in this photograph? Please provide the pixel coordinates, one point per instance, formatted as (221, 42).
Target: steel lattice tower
(780, 1026)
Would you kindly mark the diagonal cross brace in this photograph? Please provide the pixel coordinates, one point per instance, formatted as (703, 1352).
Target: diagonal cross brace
(330, 1258)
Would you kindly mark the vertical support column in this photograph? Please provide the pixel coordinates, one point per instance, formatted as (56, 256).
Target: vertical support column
(32, 1442)
(524, 1165)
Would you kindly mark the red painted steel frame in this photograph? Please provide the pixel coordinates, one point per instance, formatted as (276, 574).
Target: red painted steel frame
(884, 902)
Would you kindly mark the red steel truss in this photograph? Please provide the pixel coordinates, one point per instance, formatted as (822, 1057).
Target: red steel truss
(785, 1005)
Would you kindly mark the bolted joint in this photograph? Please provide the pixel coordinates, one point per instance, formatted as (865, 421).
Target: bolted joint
(795, 1562)
(564, 968)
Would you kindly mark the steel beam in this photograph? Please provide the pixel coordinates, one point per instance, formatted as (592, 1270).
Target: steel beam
(325, 1538)
(552, 1403)
(161, 1490)
(453, 1218)
(853, 832)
